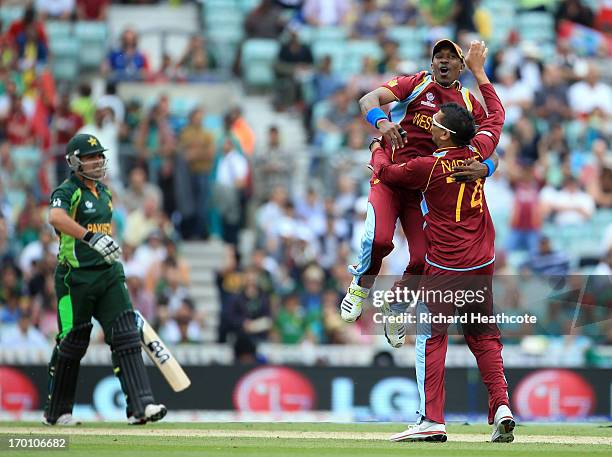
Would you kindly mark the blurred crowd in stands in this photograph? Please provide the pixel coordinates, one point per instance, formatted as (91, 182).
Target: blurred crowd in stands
(175, 178)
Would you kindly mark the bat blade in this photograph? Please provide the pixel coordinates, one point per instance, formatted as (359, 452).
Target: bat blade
(161, 356)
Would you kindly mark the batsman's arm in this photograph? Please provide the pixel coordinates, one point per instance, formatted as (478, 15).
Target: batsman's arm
(62, 222)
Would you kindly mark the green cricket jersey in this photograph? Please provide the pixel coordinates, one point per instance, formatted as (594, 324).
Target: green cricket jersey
(94, 211)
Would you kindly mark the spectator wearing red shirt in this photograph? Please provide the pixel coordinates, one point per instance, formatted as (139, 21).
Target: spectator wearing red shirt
(92, 10)
(18, 27)
(18, 126)
(65, 123)
(526, 216)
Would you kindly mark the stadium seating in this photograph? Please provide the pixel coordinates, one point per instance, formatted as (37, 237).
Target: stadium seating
(536, 26)
(258, 57)
(92, 41)
(65, 63)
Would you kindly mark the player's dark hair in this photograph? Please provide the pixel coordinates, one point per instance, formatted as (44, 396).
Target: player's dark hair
(460, 120)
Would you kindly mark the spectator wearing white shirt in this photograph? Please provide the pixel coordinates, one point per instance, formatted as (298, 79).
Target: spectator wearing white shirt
(326, 12)
(36, 250)
(55, 9)
(590, 94)
(568, 206)
(23, 335)
(230, 186)
(513, 93)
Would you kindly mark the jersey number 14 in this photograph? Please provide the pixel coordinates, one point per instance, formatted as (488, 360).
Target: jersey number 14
(476, 196)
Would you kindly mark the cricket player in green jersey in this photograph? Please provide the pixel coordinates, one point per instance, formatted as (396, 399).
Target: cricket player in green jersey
(90, 282)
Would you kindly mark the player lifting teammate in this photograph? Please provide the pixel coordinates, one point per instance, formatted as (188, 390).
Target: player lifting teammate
(90, 282)
(418, 98)
(460, 256)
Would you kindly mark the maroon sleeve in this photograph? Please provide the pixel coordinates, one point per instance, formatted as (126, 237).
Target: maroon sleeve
(490, 128)
(402, 86)
(413, 174)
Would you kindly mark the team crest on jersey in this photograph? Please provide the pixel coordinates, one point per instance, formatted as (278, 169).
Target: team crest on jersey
(89, 207)
(392, 83)
(430, 97)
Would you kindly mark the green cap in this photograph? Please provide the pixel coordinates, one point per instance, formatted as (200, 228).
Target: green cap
(84, 144)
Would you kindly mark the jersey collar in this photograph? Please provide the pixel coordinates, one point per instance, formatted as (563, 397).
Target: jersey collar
(457, 84)
(441, 152)
(74, 179)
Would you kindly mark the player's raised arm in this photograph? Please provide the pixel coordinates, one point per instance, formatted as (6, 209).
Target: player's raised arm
(489, 131)
(371, 104)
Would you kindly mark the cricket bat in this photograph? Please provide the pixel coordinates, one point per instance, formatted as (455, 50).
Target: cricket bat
(162, 357)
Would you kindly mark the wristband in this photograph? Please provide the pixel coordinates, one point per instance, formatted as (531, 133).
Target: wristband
(375, 115)
(490, 167)
(88, 236)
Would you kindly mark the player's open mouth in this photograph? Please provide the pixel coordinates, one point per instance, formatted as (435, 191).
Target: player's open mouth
(443, 71)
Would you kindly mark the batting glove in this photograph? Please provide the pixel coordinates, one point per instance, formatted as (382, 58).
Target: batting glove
(104, 245)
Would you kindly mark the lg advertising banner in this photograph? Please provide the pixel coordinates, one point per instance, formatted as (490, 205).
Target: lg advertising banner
(385, 394)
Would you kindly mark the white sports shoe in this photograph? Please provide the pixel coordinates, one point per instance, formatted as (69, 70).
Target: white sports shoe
(65, 420)
(503, 426)
(352, 303)
(395, 331)
(153, 413)
(422, 431)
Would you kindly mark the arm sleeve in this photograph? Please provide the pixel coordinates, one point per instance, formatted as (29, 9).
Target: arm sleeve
(490, 128)
(413, 174)
(60, 198)
(402, 86)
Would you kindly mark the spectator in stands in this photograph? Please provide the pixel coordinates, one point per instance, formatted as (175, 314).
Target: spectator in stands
(598, 177)
(370, 22)
(32, 51)
(248, 312)
(526, 216)
(55, 9)
(198, 148)
(92, 10)
(111, 100)
(18, 27)
(154, 136)
(574, 11)
(568, 206)
(65, 123)
(292, 322)
(29, 221)
(229, 189)
(139, 189)
(336, 117)
(272, 210)
(514, 94)
(144, 220)
(546, 261)
(366, 80)
(197, 59)
(326, 12)
(183, 327)
(550, 101)
(36, 251)
(23, 335)
(293, 65)
(590, 93)
(171, 289)
(236, 125)
(325, 81)
(390, 50)
(438, 15)
(18, 126)
(464, 16)
(127, 63)
(400, 12)
(106, 130)
(274, 166)
(7, 247)
(142, 299)
(264, 21)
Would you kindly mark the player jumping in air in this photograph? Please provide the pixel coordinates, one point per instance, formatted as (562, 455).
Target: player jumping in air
(460, 255)
(90, 282)
(418, 98)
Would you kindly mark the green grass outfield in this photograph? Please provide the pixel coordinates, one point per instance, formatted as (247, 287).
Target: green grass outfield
(306, 439)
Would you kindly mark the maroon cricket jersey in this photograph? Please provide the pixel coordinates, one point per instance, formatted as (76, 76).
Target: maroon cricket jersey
(418, 98)
(458, 227)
